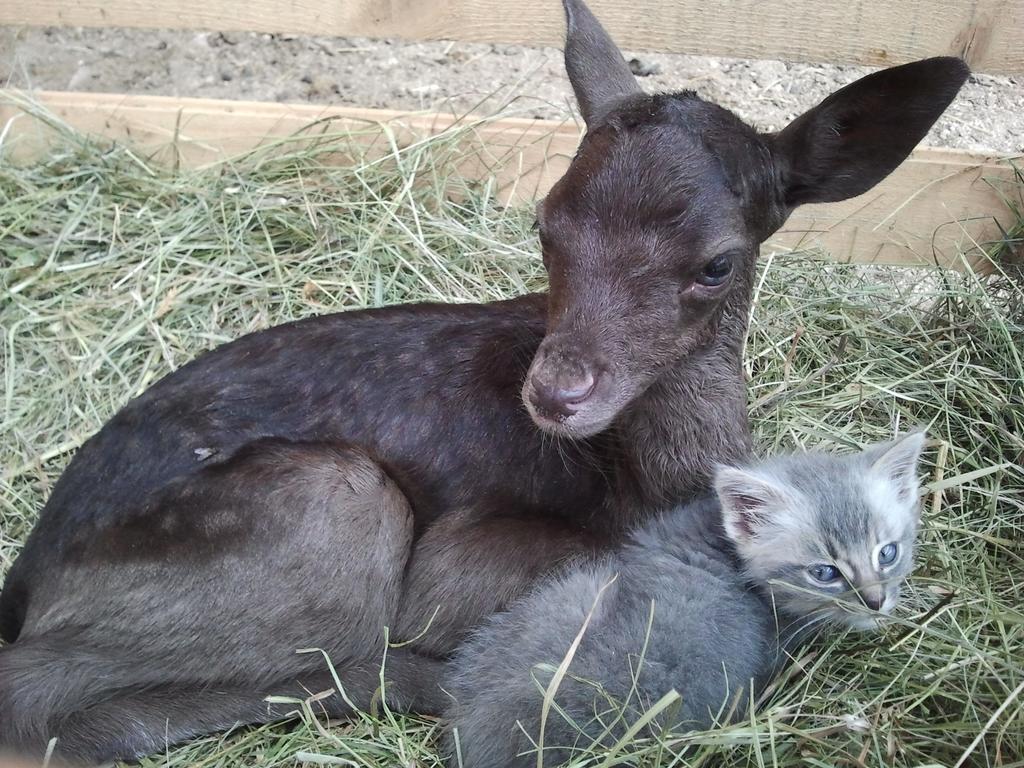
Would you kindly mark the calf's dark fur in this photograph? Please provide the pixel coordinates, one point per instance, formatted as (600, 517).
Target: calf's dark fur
(310, 484)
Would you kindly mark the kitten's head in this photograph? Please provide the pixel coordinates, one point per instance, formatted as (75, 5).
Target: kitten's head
(832, 536)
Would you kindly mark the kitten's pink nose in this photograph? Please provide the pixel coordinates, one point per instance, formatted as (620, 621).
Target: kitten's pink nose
(873, 598)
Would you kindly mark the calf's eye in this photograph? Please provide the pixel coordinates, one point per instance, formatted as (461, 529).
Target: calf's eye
(716, 271)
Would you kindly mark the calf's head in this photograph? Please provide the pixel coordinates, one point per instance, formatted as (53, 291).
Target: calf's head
(651, 237)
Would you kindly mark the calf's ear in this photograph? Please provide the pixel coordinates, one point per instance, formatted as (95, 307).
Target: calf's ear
(599, 75)
(858, 135)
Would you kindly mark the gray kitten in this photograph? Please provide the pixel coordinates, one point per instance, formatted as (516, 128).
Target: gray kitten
(789, 544)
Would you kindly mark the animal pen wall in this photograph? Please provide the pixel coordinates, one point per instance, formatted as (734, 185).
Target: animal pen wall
(832, 357)
(938, 206)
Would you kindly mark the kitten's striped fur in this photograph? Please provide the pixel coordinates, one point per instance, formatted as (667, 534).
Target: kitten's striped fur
(723, 577)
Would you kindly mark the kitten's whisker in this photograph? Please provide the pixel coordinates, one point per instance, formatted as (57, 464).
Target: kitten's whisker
(793, 631)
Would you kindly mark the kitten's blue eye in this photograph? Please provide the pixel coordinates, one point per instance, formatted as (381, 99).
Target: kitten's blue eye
(887, 554)
(826, 574)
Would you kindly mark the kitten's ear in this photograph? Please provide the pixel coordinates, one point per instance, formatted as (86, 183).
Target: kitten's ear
(749, 502)
(897, 463)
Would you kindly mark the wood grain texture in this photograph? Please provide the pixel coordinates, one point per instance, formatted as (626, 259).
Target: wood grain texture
(938, 204)
(988, 33)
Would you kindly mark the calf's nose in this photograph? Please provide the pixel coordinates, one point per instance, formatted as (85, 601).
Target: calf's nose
(558, 395)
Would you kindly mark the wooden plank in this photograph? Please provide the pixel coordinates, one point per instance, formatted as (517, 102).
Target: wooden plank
(988, 33)
(936, 205)
(524, 156)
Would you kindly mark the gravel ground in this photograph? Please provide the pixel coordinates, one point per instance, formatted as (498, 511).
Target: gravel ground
(988, 115)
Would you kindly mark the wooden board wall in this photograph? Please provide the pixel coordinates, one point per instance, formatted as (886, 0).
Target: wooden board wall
(989, 34)
(936, 205)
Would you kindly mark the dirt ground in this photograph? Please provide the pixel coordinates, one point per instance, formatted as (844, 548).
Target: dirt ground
(988, 115)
